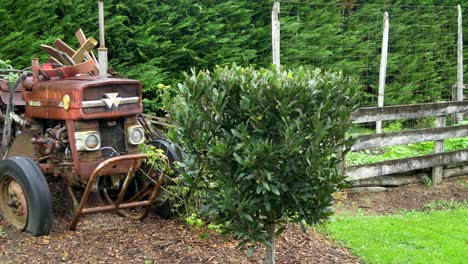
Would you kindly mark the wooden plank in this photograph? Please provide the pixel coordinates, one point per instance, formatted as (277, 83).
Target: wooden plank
(402, 165)
(157, 120)
(153, 122)
(366, 189)
(395, 180)
(373, 114)
(80, 36)
(69, 60)
(162, 119)
(392, 180)
(438, 148)
(56, 54)
(63, 47)
(409, 137)
(53, 61)
(89, 45)
(68, 71)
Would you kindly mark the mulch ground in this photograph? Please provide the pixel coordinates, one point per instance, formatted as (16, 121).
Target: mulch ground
(108, 238)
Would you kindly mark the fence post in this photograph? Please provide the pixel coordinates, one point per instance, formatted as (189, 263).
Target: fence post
(460, 85)
(383, 69)
(275, 35)
(438, 148)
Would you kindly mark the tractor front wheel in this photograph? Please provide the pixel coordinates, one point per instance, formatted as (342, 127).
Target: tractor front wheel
(25, 200)
(162, 205)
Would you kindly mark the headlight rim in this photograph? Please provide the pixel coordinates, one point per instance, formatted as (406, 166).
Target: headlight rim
(80, 140)
(132, 129)
(98, 141)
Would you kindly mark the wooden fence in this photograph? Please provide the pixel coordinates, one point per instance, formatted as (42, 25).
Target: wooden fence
(386, 172)
(438, 134)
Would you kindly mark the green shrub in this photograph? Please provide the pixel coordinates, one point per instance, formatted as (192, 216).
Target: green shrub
(260, 146)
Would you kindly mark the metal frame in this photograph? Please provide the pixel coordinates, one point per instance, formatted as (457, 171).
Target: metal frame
(118, 205)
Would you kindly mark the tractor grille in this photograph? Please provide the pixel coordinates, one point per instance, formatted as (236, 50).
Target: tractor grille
(97, 92)
(124, 91)
(113, 141)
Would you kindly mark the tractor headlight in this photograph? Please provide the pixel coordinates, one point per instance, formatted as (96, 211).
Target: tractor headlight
(136, 135)
(87, 141)
(92, 141)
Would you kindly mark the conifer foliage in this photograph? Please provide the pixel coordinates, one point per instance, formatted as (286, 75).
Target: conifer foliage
(155, 41)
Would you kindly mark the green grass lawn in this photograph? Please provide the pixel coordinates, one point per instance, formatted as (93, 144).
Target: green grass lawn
(410, 237)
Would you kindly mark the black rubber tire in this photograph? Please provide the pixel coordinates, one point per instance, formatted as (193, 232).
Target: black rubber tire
(164, 210)
(173, 153)
(28, 174)
(171, 150)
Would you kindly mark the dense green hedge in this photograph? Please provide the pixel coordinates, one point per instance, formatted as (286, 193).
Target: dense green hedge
(157, 40)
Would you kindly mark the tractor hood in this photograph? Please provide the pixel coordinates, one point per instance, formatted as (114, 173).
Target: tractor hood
(82, 97)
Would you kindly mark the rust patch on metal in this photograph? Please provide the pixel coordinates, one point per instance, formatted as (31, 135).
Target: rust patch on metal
(13, 202)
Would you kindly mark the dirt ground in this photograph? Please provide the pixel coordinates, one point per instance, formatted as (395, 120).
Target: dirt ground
(108, 238)
(408, 197)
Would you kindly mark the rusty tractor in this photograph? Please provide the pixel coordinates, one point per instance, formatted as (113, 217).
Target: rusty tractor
(64, 122)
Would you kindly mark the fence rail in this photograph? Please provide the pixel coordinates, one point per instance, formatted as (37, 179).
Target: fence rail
(414, 111)
(409, 137)
(404, 165)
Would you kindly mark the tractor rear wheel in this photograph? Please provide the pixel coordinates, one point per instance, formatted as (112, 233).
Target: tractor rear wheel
(25, 200)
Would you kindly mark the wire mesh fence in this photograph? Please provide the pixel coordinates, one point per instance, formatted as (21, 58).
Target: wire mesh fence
(345, 36)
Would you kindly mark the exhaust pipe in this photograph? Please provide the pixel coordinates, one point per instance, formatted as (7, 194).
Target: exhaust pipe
(102, 50)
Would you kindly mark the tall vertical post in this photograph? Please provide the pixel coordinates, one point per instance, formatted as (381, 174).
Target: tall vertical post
(437, 172)
(102, 50)
(460, 85)
(275, 35)
(383, 69)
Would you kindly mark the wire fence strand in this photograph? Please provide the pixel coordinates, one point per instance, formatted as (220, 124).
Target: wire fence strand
(422, 58)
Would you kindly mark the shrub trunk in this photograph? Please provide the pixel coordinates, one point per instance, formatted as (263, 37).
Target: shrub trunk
(270, 249)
